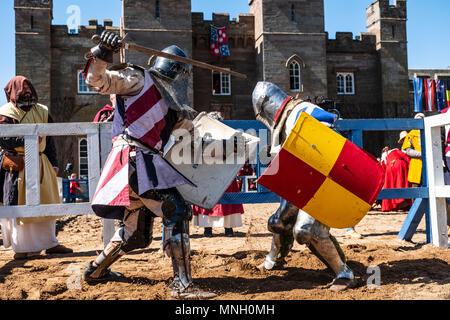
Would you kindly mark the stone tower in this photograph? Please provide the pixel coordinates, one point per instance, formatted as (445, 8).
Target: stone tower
(157, 24)
(33, 44)
(288, 31)
(388, 22)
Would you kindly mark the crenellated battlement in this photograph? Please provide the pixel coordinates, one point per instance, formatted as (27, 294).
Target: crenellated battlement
(345, 42)
(383, 9)
(240, 31)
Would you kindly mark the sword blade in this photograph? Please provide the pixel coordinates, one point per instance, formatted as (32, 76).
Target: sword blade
(196, 63)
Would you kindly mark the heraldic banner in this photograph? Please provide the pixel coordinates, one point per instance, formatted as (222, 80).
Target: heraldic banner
(219, 42)
(324, 174)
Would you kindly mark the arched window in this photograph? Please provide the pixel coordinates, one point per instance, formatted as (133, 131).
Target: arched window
(294, 76)
(83, 158)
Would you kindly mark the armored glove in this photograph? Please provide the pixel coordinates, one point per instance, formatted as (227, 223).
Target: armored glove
(109, 43)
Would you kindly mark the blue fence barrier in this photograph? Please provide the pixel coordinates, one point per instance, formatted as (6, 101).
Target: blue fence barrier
(69, 197)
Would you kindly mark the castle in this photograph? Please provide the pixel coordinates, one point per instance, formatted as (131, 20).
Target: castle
(282, 41)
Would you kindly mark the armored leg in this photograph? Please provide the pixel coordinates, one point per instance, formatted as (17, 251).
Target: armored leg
(135, 233)
(317, 237)
(176, 216)
(281, 224)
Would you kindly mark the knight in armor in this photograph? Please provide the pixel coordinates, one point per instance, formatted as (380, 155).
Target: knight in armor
(137, 184)
(279, 112)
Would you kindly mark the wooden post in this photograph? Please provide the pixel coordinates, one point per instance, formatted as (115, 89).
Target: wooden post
(122, 32)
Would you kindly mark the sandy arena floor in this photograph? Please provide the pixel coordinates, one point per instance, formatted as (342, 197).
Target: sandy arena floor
(228, 266)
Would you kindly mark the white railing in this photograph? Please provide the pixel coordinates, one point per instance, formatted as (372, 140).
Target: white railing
(438, 191)
(99, 145)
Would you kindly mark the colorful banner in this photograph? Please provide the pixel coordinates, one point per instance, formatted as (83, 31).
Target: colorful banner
(440, 95)
(324, 174)
(429, 94)
(447, 91)
(219, 42)
(418, 94)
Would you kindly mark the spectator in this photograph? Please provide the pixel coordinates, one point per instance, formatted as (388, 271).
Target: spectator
(27, 236)
(247, 170)
(74, 187)
(227, 216)
(411, 145)
(106, 114)
(396, 164)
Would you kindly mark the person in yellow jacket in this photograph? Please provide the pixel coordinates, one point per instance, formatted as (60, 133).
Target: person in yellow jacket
(411, 145)
(27, 235)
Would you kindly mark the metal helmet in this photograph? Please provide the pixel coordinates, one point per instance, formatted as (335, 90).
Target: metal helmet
(169, 68)
(267, 99)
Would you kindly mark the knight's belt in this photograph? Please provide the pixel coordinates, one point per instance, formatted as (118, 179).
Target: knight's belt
(126, 140)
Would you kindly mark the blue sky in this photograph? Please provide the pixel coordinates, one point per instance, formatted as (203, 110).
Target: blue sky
(428, 44)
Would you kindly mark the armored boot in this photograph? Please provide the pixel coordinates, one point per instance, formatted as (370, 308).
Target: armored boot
(281, 245)
(328, 252)
(317, 237)
(178, 249)
(98, 271)
(280, 224)
(176, 216)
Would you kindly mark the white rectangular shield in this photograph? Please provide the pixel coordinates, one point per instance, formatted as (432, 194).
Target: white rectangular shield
(210, 176)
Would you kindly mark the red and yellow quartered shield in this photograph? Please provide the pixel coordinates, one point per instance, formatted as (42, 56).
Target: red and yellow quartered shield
(324, 174)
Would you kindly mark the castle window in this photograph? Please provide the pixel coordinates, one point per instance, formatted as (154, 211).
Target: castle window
(82, 86)
(83, 158)
(221, 84)
(294, 76)
(345, 83)
(157, 10)
(292, 14)
(32, 22)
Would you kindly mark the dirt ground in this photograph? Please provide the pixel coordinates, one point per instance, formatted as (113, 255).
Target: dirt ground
(228, 266)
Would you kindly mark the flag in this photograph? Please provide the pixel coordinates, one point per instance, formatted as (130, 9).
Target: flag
(447, 91)
(324, 174)
(429, 94)
(219, 42)
(418, 94)
(440, 95)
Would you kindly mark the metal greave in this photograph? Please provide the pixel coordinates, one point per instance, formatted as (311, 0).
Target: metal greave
(281, 224)
(177, 247)
(109, 255)
(316, 236)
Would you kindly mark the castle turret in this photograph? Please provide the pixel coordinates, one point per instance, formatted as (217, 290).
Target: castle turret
(157, 24)
(291, 45)
(388, 23)
(33, 44)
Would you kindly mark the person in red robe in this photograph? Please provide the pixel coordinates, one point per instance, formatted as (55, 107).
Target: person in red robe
(227, 216)
(396, 164)
(106, 114)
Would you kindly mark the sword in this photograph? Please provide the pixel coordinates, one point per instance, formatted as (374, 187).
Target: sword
(150, 51)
